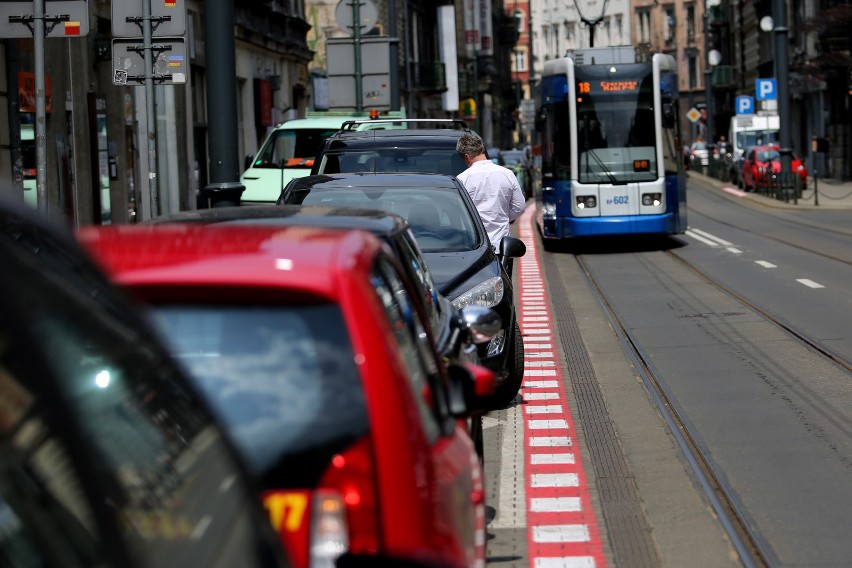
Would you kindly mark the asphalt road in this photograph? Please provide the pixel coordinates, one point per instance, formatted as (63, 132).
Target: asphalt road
(712, 311)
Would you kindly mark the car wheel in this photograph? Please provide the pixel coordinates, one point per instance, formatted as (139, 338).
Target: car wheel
(506, 391)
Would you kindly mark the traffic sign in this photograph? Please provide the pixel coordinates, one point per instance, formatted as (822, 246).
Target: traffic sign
(170, 63)
(693, 114)
(64, 18)
(168, 18)
(745, 105)
(766, 89)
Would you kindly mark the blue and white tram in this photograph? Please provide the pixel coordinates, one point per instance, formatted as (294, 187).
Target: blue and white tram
(610, 154)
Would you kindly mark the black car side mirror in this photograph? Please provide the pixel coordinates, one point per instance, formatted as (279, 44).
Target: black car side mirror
(247, 162)
(511, 247)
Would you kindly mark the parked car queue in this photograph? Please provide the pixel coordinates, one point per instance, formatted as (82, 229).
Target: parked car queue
(349, 513)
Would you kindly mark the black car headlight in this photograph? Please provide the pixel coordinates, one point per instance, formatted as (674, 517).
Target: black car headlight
(486, 294)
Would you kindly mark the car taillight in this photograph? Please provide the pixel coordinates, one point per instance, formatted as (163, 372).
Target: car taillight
(346, 507)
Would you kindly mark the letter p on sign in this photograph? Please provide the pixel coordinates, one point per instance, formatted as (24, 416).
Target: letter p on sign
(765, 89)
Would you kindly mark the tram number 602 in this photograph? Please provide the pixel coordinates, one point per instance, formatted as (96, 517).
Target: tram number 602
(617, 200)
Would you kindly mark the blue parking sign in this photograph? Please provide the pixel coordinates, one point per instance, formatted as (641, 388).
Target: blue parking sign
(745, 105)
(766, 89)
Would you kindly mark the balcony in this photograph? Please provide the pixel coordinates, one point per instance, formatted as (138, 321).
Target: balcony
(723, 77)
(428, 77)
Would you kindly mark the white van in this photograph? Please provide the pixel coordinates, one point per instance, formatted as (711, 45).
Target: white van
(748, 130)
(289, 150)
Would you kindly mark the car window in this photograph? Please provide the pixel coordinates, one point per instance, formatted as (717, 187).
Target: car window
(408, 160)
(420, 364)
(410, 252)
(282, 378)
(449, 226)
(290, 147)
(119, 428)
(768, 156)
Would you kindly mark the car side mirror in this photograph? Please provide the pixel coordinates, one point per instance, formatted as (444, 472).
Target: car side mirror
(471, 387)
(482, 323)
(511, 247)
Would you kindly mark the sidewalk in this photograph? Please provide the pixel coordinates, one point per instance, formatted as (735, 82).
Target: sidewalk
(828, 194)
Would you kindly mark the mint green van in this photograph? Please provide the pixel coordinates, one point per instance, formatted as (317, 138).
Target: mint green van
(289, 150)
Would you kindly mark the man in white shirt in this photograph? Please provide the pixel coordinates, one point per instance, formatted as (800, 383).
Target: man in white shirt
(494, 189)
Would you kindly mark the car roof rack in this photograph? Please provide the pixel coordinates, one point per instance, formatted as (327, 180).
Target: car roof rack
(455, 123)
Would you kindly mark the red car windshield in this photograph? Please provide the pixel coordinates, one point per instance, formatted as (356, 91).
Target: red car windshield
(768, 156)
(282, 378)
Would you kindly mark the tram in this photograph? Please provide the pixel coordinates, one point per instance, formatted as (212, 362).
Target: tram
(609, 151)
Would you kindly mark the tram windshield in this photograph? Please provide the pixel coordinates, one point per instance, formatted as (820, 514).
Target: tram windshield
(616, 134)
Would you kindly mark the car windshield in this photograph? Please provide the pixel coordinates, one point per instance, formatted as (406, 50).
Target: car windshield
(292, 148)
(768, 156)
(439, 217)
(513, 158)
(445, 161)
(282, 379)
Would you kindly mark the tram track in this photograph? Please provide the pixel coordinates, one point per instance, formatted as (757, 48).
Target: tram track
(750, 546)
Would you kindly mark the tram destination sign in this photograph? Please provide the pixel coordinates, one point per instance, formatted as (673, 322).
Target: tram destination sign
(63, 18)
(623, 86)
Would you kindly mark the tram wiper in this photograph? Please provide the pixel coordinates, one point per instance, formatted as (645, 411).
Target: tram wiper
(601, 164)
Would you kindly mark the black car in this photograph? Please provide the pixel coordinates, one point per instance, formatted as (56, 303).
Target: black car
(416, 149)
(454, 243)
(108, 457)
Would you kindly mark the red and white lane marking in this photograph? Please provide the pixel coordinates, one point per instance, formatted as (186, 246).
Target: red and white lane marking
(563, 530)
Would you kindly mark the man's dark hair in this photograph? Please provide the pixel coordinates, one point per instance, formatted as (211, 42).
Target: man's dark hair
(470, 144)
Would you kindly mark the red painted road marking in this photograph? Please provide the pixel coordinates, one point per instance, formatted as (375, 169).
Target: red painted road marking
(733, 191)
(562, 527)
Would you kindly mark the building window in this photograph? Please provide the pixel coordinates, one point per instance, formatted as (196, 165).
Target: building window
(643, 15)
(690, 22)
(619, 29)
(571, 35)
(520, 61)
(693, 71)
(554, 35)
(669, 26)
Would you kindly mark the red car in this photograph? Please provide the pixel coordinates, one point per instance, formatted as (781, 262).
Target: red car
(763, 163)
(307, 344)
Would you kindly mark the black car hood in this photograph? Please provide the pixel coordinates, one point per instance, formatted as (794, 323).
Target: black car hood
(452, 269)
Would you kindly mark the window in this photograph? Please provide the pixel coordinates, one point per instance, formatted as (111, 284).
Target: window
(690, 22)
(669, 25)
(520, 60)
(693, 71)
(103, 440)
(644, 17)
(414, 347)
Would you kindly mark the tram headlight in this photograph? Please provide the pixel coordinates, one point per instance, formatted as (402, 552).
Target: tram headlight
(587, 202)
(649, 199)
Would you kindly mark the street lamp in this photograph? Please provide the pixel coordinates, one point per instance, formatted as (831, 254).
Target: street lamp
(708, 70)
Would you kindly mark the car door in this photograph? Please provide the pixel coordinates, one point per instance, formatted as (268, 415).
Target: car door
(107, 457)
(455, 492)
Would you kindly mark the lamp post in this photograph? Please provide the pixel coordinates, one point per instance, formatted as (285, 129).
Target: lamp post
(708, 72)
(779, 18)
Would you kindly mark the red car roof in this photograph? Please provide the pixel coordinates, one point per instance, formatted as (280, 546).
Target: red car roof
(306, 259)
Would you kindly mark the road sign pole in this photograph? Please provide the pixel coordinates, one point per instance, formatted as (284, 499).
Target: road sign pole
(40, 121)
(150, 109)
(356, 36)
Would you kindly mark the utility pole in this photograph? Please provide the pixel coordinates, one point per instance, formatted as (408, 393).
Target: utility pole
(224, 187)
(779, 18)
(708, 77)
